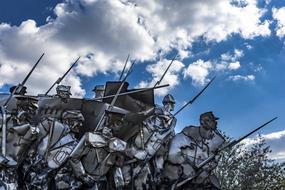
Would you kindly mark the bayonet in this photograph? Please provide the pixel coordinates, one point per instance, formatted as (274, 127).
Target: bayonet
(58, 81)
(199, 168)
(110, 107)
(3, 107)
(193, 99)
(123, 71)
(19, 86)
(163, 75)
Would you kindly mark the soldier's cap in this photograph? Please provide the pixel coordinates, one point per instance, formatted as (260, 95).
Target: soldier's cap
(99, 88)
(63, 88)
(72, 114)
(209, 114)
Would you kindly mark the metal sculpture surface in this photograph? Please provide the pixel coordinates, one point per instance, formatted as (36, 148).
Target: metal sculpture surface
(118, 140)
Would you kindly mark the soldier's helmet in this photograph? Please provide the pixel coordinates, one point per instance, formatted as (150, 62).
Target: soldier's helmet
(63, 89)
(208, 120)
(73, 118)
(72, 115)
(168, 99)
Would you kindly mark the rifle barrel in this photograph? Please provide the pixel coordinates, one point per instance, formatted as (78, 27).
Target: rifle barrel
(26, 78)
(23, 82)
(69, 69)
(123, 71)
(192, 100)
(58, 81)
(132, 92)
(229, 145)
(163, 75)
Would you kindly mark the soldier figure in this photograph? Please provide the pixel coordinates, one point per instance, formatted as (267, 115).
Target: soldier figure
(191, 147)
(16, 140)
(96, 153)
(54, 145)
(63, 92)
(150, 144)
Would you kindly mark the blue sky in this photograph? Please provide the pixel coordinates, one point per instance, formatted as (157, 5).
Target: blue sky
(241, 42)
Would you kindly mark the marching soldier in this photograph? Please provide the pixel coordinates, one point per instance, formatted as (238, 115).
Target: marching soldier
(63, 92)
(54, 145)
(149, 145)
(191, 147)
(17, 134)
(96, 153)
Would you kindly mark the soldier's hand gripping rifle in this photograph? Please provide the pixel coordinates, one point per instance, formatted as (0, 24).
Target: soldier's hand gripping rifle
(58, 81)
(168, 133)
(3, 107)
(199, 168)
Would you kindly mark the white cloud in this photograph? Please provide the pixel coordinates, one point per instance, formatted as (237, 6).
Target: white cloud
(234, 65)
(249, 47)
(234, 56)
(240, 77)
(157, 70)
(229, 60)
(279, 15)
(108, 30)
(198, 71)
(276, 142)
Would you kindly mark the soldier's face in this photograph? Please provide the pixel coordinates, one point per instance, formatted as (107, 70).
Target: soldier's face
(63, 94)
(209, 123)
(170, 106)
(75, 125)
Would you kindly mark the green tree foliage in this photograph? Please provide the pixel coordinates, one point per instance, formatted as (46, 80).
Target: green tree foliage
(250, 168)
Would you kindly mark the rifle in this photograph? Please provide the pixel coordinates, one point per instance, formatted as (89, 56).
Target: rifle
(190, 102)
(123, 71)
(132, 92)
(58, 81)
(110, 107)
(163, 75)
(3, 107)
(19, 86)
(193, 99)
(212, 157)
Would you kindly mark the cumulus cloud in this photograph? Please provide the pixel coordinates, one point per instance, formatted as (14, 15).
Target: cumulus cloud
(234, 56)
(157, 70)
(104, 32)
(234, 65)
(276, 142)
(198, 71)
(229, 60)
(240, 77)
(279, 16)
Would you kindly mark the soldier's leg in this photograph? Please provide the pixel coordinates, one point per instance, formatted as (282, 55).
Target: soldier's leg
(65, 179)
(8, 179)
